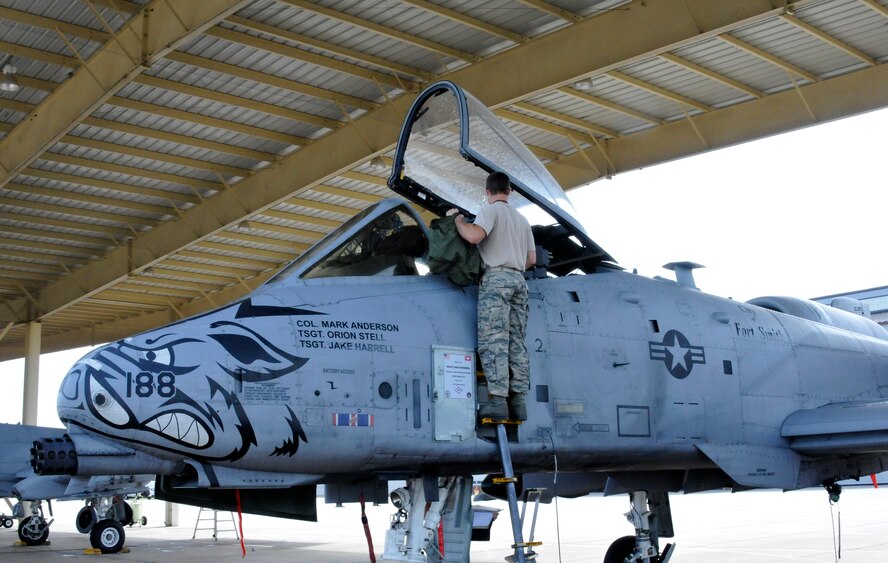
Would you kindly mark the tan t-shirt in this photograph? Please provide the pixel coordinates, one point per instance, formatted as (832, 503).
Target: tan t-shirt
(509, 238)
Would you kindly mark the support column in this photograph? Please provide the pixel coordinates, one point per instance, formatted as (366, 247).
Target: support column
(171, 514)
(32, 373)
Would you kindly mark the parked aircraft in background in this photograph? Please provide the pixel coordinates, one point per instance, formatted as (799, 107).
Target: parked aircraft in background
(104, 495)
(351, 368)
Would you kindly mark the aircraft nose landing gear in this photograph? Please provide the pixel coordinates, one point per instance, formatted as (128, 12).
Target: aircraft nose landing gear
(643, 547)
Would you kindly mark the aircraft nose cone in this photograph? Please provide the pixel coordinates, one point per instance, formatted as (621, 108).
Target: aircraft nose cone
(71, 391)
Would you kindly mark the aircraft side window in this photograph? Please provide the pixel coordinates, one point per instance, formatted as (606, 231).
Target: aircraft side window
(393, 245)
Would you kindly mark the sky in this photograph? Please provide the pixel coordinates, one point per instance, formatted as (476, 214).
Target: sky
(799, 214)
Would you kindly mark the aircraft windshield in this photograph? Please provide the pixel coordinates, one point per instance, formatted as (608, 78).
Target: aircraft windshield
(385, 239)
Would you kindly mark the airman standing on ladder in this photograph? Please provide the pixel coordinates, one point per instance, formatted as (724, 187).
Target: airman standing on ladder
(506, 244)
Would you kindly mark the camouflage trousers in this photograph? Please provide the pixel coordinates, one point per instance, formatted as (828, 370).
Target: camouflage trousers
(502, 325)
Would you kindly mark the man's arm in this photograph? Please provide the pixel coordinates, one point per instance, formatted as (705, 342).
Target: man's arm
(471, 233)
(531, 259)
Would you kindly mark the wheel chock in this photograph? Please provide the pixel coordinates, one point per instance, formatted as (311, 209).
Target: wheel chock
(20, 543)
(94, 551)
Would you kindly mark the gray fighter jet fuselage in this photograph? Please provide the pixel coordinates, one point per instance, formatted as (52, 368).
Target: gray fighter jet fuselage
(351, 366)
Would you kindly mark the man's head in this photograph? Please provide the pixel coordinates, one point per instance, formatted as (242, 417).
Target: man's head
(498, 183)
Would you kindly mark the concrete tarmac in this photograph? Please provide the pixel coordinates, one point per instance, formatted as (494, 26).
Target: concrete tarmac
(754, 526)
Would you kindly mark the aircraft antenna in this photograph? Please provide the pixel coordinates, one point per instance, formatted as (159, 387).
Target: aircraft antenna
(835, 490)
(555, 494)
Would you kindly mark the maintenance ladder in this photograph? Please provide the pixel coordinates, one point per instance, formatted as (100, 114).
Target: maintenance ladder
(214, 517)
(509, 480)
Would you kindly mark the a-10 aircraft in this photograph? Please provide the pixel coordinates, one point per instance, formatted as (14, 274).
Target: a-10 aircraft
(355, 365)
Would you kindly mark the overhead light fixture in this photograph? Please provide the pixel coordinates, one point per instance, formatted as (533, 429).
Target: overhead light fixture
(584, 85)
(244, 225)
(378, 163)
(9, 83)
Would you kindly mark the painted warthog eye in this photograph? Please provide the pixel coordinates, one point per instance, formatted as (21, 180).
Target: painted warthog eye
(106, 405)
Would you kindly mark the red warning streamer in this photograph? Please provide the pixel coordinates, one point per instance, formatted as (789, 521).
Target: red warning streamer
(240, 521)
(367, 530)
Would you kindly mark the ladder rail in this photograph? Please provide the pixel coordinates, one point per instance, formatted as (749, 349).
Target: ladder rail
(509, 473)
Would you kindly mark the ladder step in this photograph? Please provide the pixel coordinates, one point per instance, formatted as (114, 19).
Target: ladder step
(500, 421)
(526, 544)
(501, 480)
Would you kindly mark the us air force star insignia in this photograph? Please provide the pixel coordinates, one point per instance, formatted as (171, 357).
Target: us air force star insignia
(677, 354)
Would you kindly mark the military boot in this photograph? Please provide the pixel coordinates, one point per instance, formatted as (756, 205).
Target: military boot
(495, 408)
(518, 406)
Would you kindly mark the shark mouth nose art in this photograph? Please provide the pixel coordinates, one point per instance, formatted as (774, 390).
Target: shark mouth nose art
(180, 427)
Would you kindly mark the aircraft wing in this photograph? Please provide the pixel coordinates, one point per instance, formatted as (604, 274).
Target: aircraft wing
(855, 427)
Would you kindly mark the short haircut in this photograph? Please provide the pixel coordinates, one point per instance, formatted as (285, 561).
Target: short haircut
(498, 183)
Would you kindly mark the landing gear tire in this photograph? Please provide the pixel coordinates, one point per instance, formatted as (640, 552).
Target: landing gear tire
(127, 514)
(86, 519)
(107, 536)
(33, 530)
(5, 522)
(620, 550)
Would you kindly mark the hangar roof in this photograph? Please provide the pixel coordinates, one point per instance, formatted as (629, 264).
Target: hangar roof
(162, 158)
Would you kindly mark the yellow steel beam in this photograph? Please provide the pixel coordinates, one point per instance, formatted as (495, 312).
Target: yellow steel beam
(51, 258)
(16, 265)
(278, 257)
(253, 264)
(330, 47)
(541, 64)
(43, 233)
(351, 194)
(47, 23)
(138, 285)
(263, 78)
(111, 186)
(735, 124)
(163, 135)
(229, 271)
(77, 211)
(209, 121)
(553, 10)
(237, 101)
(297, 247)
(766, 56)
(363, 177)
(285, 230)
(662, 92)
(37, 55)
(87, 198)
(155, 155)
(468, 20)
(383, 30)
(179, 139)
(544, 125)
(611, 105)
(703, 71)
(41, 245)
(593, 128)
(110, 68)
(311, 220)
(122, 6)
(103, 233)
(874, 4)
(130, 171)
(332, 208)
(828, 39)
(312, 58)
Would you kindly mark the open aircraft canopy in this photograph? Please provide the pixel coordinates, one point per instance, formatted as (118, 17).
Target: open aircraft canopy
(448, 145)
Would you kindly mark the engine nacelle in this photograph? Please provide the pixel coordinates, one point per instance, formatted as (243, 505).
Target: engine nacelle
(820, 313)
